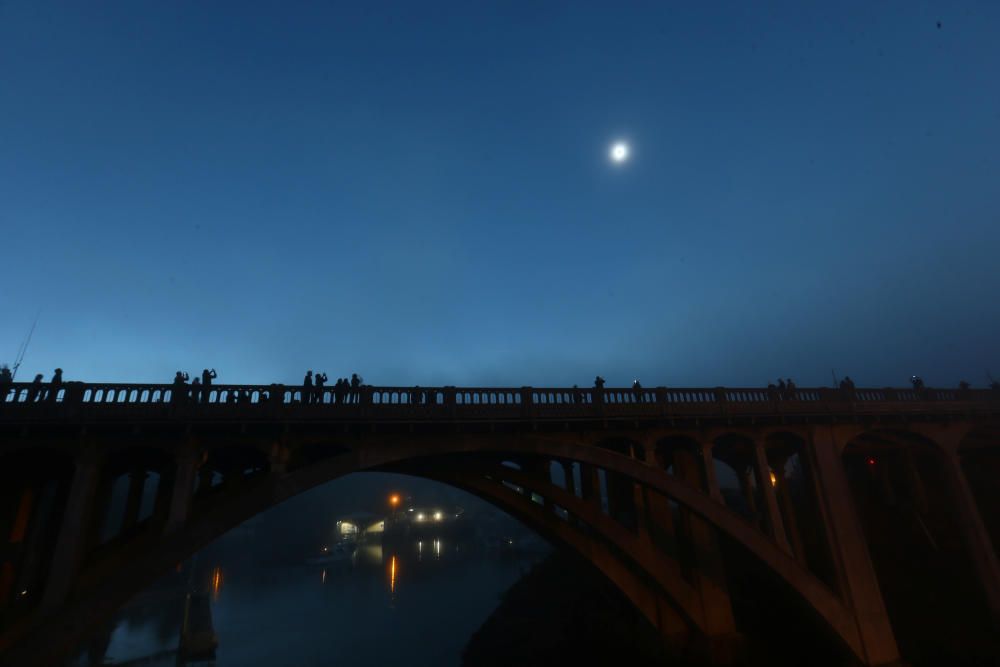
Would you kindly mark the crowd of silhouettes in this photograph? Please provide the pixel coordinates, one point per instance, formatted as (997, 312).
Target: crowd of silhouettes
(344, 390)
(784, 390)
(348, 390)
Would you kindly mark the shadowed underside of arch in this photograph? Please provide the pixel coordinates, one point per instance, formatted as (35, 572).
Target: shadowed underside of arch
(105, 585)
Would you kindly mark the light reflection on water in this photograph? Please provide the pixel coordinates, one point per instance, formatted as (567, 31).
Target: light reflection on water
(371, 609)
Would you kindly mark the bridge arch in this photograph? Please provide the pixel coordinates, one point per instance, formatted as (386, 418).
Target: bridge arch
(907, 488)
(136, 564)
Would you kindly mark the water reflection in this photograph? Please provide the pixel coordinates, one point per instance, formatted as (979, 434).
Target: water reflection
(258, 608)
(216, 582)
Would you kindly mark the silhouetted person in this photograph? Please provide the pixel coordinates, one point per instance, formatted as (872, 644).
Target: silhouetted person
(206, 383)
(196, 389)
(35, 393)
(320, 383)
(6, 379)
(179, 392)
(637, 391)
(55, 384)
(307, 387)
(918, 384)
(598, 382)
(782, 389)
(772, 391)
(790, 388)
(416, 396)
(577, 395)
(355, 388)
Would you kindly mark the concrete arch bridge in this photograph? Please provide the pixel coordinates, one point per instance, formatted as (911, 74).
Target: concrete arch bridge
(657, 488)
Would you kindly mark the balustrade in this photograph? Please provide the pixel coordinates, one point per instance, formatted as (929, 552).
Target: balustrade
(557, 400)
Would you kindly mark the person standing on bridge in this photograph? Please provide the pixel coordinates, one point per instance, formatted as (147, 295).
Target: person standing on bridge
(307, 387)
(6, 380)
(179, 392)
(637, 391)
(320, 383)
(55, 384)
(35, 393)
(206, 383)
(598, 389)
(918, 384)
(790, 389)
(355, 388)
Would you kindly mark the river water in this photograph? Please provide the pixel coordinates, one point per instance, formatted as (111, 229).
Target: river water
(416, 604)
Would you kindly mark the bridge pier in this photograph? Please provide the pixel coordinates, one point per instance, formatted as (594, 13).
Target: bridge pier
(787, 508)
(22, 530)
(722, 644)
(711, 477)
(72, 534)
(136, 484)
(182, 491)
(977, 539)
(860, 589)
(776, 527)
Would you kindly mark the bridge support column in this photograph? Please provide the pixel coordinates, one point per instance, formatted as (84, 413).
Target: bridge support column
(567, 467)
(590, 484)
(14, 551)
(746, 476)
(711, 479)
(722, 643)
(776, 527)
(784, 497)
(72, 535)
(136, 485)
(32, 558)
(183, 491)
(851, 556)
(975, 534)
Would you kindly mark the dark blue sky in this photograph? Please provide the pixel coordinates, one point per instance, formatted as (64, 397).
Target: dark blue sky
(421, 191)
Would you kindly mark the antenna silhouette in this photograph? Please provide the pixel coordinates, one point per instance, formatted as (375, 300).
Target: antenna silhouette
(21, 351)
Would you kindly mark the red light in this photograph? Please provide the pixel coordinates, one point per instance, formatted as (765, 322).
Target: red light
(871, 460)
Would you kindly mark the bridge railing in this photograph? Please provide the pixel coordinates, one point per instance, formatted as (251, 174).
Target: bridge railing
(518, 401)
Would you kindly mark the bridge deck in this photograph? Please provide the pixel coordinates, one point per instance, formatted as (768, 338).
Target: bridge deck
(99, 402)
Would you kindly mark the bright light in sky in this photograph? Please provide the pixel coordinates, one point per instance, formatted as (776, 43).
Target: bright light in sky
(619, 152)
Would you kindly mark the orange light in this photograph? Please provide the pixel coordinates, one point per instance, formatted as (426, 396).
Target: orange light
(394, 499)
(392, 575)
(216, 583)
(774, 479)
